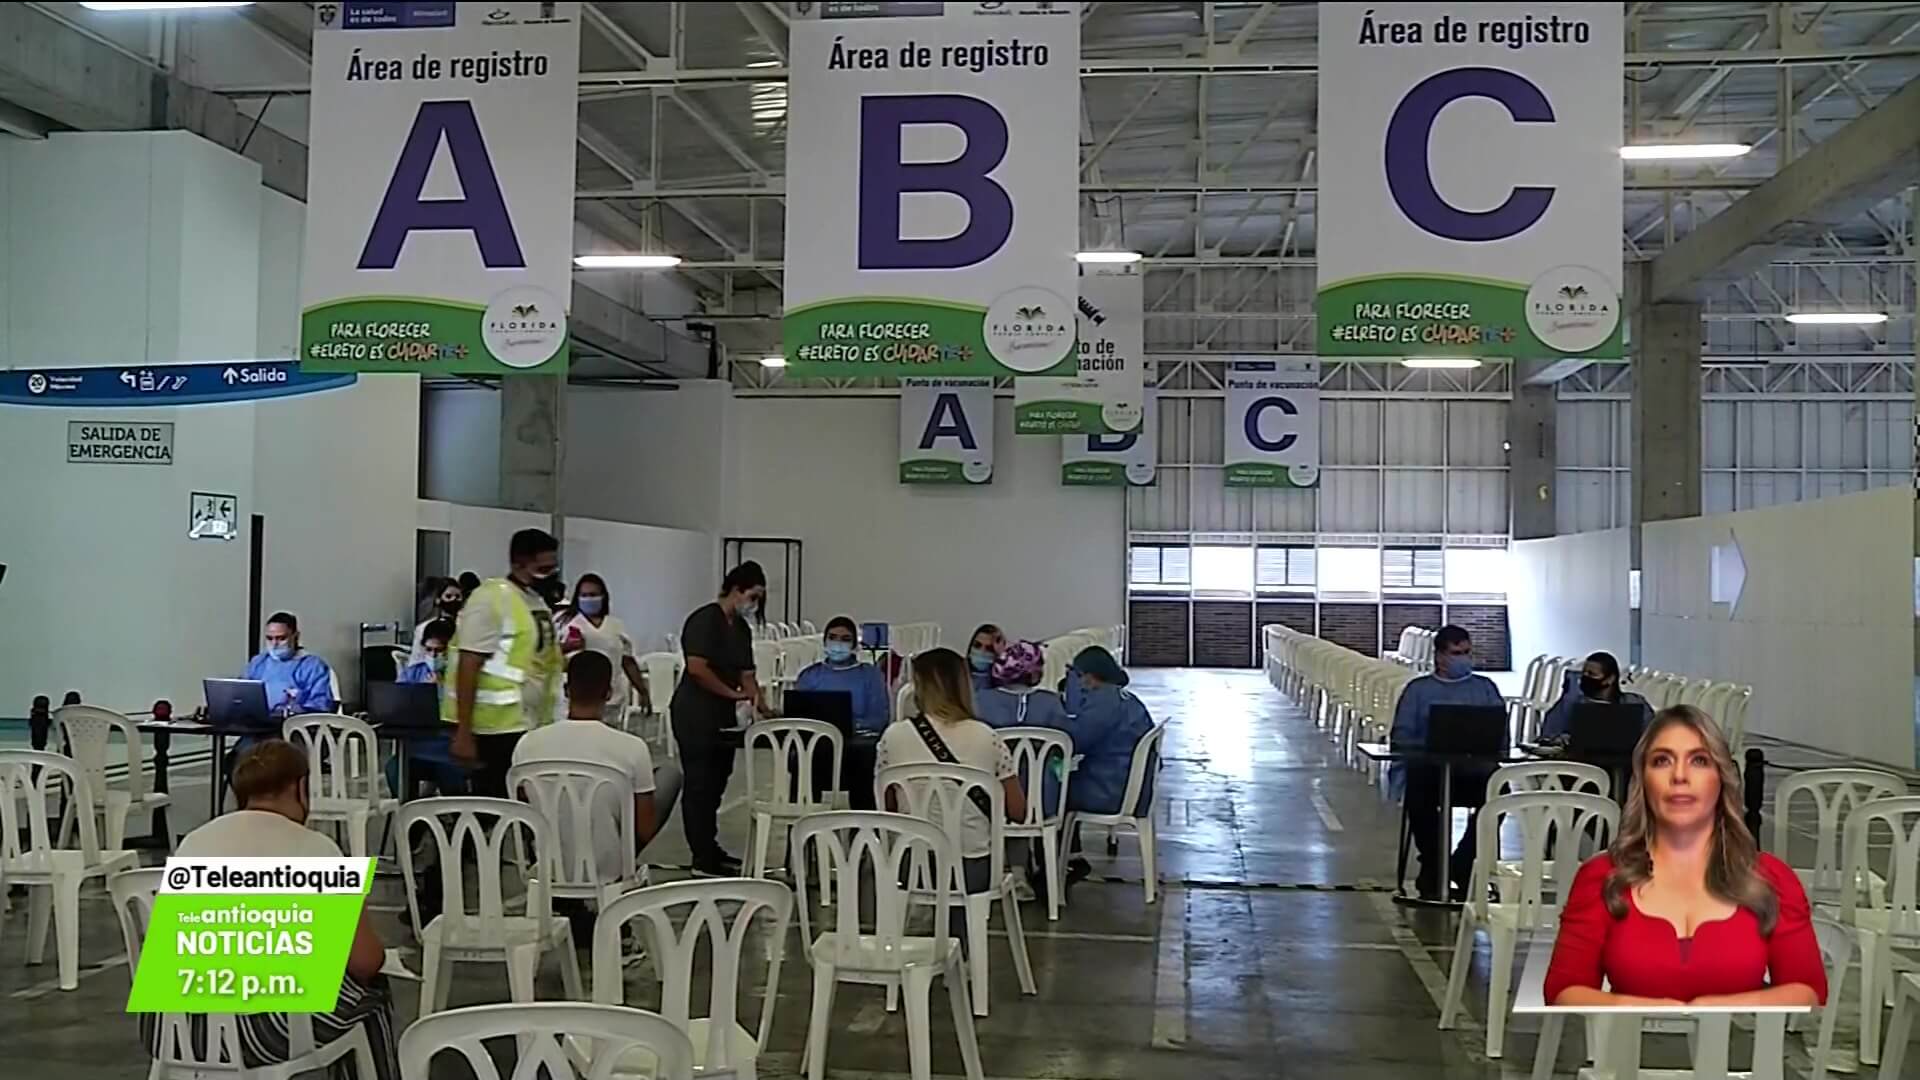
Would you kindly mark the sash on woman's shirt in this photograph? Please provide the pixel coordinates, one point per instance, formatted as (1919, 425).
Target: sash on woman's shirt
(944, 754)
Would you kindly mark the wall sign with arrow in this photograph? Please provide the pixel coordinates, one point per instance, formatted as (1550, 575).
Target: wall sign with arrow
(145, 385)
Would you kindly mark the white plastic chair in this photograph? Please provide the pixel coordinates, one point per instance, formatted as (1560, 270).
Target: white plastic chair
(939, 794)
(1836, 793)
(53, 874)
(219, 1035)
(766, 663)
(1532, 776)
(1035, 751)
(673, 920)
(1880, 925)
(1144, 752)
(905, 702)
(87, 731)
(1573, 819)
(344, 781)
(569, 795)
(872, 849)
(1906, 1004)
(487, 932)
(560, 1040)
(789, 793)
(807, 627)
(662, 671)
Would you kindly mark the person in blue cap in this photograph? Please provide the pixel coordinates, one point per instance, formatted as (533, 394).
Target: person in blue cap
(1109, 724)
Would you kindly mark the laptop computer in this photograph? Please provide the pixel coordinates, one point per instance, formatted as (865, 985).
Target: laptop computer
(238, 705)
(831, 706)
(1476, 730)
(404, 706)
(874, 635)
(1602, 730)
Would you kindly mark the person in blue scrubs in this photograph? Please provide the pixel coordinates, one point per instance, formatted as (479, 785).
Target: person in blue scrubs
(844, 672)
(1015, 697)
(1452, 683)
(983, 649)
(297, 681)
(1599, 685)
(434, 637)
(1108, 726)
(430, 758)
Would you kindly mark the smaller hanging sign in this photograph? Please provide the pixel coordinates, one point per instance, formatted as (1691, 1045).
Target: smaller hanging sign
(1127, 459)
(163, 384)
(946, 431)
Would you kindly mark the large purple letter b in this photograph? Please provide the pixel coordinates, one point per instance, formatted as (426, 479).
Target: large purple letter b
(884, 178)
(481, 211)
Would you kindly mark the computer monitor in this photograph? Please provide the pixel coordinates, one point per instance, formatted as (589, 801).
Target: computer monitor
(1603, 730)
(830, 706)
(404, 706)
(238, 705)
(874, 635)
(1477, 730)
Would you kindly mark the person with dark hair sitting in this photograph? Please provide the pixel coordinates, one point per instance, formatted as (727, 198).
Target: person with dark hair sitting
(297, 681)
(1452, 683)
(1599, 685)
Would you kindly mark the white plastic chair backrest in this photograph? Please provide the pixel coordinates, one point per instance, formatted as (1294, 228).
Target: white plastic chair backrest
(905, 701)
(1836, 793)
(673, 921)
(662, 670)
(1035, 752)
(36, 777)
(808, 628)
(1143, 753)
(938, 793)
(878, 849)
(1733, 716)
(792, 742)
(1530, 684)
(343, 755)
(556, 1040)
(1578, 824)
(88, 731)
(766, 661)
(672, 642)
(568, 794)
(1530, 776)
(1899, 816)
(480, 826)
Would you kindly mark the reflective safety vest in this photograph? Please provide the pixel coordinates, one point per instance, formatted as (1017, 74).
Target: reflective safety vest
(519, 678)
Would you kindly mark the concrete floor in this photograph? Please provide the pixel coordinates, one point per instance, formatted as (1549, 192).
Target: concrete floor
(1274, 950)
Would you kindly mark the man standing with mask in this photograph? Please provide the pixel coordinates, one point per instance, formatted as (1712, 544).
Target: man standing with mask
(718, 685)
(508, 665)
(1452, 683)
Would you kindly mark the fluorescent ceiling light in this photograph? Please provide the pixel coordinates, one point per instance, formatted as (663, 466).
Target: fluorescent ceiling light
(773, 361)
(626, 262)
(1683, 151)
(137, 6)
(1442, 363)
(764, 64)
(1108, 256)
(1837, 318)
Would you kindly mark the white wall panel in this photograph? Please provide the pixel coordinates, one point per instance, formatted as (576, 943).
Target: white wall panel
(1350, 434)
(1477, 433)
(1349, 501)
(1716, 434)
(1161, 507)
(1415, 432)
(1477, 502)
(1285, 510)
(1584, 431)
(1416, 501)
(1216, 507)
(1568, 596)
(1208, 419)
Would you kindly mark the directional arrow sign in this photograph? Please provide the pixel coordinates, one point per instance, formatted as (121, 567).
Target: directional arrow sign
(1727, 573)
(230, 375)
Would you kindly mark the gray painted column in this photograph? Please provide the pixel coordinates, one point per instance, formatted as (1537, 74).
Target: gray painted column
(1534, 460)
(532, 452)
(1666, 417)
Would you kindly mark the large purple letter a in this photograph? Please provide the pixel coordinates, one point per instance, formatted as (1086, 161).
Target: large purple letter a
(481, 210)
(884, 178)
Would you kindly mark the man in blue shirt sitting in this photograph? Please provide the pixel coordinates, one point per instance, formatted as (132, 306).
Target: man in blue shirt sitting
(297, 681)
(1452, 683)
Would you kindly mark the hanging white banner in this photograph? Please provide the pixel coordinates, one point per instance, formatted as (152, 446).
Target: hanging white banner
(1103, 397)
(946, 431)
(440, 188)
(932, 186)
(1130, 458)
(1469, 194)
(1273, 423)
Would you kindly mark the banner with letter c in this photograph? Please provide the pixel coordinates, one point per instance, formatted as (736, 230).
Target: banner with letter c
(440, 188)
(1469, 198)
(946, 431)
(1273, 423)
(951, 141)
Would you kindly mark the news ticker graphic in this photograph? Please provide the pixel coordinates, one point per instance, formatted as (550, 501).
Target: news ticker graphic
(250, 935)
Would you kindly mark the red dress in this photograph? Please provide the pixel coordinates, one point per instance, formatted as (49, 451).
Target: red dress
(1644, 956)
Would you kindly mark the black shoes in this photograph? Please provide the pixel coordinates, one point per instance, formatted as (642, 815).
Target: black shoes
(718, 865)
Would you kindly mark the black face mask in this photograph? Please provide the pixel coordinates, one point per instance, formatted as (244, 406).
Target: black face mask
(1592, 687)
(550, 588)
(451, 607)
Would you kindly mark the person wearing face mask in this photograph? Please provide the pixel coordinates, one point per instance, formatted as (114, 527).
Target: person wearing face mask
(1599, 685)
(591, 626)
(717, 686)
(432, 641)
(985, 647)
(1452, 683)
(297, 681)
(1016, 697)
(507, 664)
(448, 599)
(844, 672)
(1109, 723)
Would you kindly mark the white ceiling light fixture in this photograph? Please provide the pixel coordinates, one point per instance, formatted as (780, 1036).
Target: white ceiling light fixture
(637, 261)
(773, 361)
(1108, 256)
(148, 6)
(1836, 318)
(1684, 151)
(1442, 363)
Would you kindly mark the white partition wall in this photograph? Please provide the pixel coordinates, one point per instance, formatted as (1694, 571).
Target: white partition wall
(1567, 596)
(1823, 626)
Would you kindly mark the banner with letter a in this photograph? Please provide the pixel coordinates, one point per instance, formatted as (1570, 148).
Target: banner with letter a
(1103, 397)
(1470, 180)
(946, 431)
(440, 188)
(932, 190)
(1273, 423)
(1130, 458)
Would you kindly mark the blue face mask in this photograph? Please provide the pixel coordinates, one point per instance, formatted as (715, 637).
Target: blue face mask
(1456, 667)
(981, 659)
(590, 605)
(839, 652)
(280, 650)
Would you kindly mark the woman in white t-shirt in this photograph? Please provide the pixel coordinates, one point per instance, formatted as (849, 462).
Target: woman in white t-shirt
(946, 733)
(589, 623)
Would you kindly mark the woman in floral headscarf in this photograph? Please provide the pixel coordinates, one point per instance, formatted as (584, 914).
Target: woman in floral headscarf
(1015, 697)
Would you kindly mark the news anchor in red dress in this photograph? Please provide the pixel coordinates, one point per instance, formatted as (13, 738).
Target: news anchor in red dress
(1684, 909)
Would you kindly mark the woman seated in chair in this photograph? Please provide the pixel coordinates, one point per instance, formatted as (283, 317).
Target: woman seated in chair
(1684, 909)
(1015, 697)
(270, 784)
(1109, 724)
(844, 672)
(983, 649)
(1599, 685)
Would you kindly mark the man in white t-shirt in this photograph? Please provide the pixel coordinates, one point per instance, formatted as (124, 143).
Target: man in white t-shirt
(585, 736)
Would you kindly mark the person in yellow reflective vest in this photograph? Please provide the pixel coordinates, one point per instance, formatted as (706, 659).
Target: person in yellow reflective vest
(509, 662)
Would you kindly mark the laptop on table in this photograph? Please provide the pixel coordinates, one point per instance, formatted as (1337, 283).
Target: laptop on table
(238, 705)
(1467, 730)
(1605, 731)
(398, 709)
(829, 706)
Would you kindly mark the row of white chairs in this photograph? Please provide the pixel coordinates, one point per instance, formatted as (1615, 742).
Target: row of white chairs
(1349, 696)
(1415, 649)
(1548, 677)
(779, 630)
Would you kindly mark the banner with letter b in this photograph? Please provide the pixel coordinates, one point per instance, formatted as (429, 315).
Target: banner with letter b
(1273, 423)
